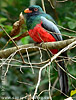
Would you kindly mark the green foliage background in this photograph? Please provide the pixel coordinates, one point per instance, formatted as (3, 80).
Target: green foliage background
(9, 13)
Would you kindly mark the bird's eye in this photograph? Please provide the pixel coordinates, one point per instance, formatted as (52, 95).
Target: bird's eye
(35, 9)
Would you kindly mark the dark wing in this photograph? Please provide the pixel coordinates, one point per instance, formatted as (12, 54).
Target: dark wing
(50, 26)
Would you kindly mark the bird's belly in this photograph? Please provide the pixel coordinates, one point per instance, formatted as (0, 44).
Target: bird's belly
(39, 34)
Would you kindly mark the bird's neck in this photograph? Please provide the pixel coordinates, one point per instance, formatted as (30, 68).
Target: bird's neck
(29, 21)
(32, 20)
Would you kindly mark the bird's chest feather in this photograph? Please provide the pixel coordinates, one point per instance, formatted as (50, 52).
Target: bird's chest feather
(39, 34)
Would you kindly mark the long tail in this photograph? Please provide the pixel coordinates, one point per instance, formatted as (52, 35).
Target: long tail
(63, 79)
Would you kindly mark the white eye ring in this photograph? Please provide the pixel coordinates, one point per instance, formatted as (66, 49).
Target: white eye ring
(35, 9)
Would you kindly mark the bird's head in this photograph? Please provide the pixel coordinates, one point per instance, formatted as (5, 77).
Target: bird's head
(33, 10)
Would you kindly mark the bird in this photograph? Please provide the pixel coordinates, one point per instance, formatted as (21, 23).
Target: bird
(42, 28)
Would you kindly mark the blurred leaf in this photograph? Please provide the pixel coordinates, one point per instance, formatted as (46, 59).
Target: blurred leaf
(25, 40)
(8, 29)
(11, 10)
(68, 18)
(71, 24)
(3, 19)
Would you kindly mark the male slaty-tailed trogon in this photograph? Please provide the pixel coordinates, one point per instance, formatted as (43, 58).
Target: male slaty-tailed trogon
(41, 28)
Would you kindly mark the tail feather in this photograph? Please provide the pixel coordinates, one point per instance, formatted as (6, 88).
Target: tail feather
(63, 79)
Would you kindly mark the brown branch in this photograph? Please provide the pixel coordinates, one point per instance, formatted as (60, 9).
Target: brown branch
(21, 36)
(43, 6)
(31, 47)
(51, 3)
(53, 7)
(13, 42)
(62, 1)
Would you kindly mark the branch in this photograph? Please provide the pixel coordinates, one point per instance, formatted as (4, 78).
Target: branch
(31, 47)
(52, 59)
(58, 44)
(62, 1)
(13, 42)
(43, 6)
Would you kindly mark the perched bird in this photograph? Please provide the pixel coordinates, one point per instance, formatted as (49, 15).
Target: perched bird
(42, 28)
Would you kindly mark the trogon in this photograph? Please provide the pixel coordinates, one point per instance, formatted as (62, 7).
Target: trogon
(42, 28)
